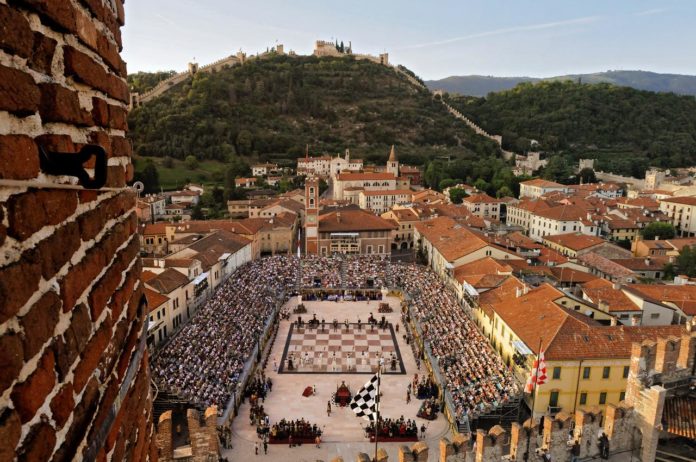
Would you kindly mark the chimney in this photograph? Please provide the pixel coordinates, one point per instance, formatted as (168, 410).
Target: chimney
(613, 321)
(647, 261)
(518, 292)
(616, 285)
(657, 238)
(525, 290)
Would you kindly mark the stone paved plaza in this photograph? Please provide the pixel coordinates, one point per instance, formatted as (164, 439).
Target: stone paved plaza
(343, 432)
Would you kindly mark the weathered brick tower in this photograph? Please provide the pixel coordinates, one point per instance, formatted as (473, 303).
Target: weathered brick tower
(74, 382)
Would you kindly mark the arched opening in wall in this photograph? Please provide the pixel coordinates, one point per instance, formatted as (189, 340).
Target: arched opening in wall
(393, 246)
(404, 245)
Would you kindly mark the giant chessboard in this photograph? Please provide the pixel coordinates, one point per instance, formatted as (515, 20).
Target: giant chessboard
(350, 350)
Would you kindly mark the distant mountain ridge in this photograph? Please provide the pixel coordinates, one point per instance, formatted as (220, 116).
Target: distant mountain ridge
(481, 85)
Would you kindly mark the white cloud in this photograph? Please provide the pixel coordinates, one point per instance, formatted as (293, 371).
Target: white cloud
(507, 30)
(650, 12)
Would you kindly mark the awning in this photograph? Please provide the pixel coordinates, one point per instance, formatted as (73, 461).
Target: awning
(470, 290)
(521, 347)
(345, 234)
(200, 278)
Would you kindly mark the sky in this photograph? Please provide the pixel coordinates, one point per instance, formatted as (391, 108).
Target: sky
(434, 38)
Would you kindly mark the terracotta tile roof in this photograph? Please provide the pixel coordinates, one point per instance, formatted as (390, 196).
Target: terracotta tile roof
(604, 265)
(167, 281)
(208, 226)
(506, 289)
(551, 257)
(601, 290)
(681, 296)
(147, 275)
(642, 263)
(451, 239)
(533, 205)
(155, 229)
(571, 275)
(353, 220)
(405, 214)
(154, 299)
(679, 416)
(475, 271)
(178, 262)
(364, 176)
(481, 198)
(685, 200)
(640, 202)
(575, 241)
(563, 213)
(542, 183)
(619, 223)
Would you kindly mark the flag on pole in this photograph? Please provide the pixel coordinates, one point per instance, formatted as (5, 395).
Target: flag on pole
(538, 375)
(364, 403)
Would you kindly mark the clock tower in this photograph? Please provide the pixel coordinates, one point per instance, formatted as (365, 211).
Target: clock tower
(311, 215)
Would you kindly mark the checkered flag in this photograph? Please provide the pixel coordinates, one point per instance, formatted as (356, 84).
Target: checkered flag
(364, 402)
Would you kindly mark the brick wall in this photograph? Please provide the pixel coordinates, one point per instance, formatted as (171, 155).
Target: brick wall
(70, 318)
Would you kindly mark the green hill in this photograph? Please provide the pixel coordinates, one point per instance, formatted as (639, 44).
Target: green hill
(625, 129)
(269, 109)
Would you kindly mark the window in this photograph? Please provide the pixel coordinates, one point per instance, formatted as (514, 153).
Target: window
(625, 372)
(654, 315)
(603, 397)
(605, 372)
(622, 396)
(553, 400)
(583, 398)
(586, 373)
(556, 373)
(369, 249)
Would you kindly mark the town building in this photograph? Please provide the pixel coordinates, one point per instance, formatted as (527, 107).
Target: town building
(264, 169)
(405, 220)
(682, 213)
(484, 206)
(379, 202)
(536, 188)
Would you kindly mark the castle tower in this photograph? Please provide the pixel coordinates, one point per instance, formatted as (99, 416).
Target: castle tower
(393, 163)
(311, 215)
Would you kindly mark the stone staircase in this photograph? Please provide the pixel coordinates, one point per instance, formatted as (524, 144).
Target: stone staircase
(167, 402)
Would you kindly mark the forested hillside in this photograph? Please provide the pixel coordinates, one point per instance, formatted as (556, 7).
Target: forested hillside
(625, 129)
(269, 109)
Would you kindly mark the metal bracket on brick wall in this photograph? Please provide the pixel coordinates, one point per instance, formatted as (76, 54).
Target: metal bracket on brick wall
(72, 164)
(101, 434)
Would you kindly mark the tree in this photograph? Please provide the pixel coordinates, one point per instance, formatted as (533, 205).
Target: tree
(191, 162)
(230, 185)
(150, 177)
(244, 142)
(504, 192)
(446, 183)
(558, 169)
(587, 175)
(658, 229)
(323, 186)
(686, 261)
(167, 162)
(482, 185)
(457, 195)
(197, 212)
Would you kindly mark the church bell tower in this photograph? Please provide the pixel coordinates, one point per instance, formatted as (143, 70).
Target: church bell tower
(311, 215)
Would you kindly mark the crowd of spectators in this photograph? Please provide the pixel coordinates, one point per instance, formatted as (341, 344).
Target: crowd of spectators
(320, 271)
(204, 361)
(475, 375)
(365, 271)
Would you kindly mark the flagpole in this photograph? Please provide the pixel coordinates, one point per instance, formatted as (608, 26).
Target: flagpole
(379, 379)
(534, 385)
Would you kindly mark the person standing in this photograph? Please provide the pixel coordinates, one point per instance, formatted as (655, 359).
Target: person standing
(256, 448)
(317, 441)
(328, 408)
(265, 445)
(408, 396)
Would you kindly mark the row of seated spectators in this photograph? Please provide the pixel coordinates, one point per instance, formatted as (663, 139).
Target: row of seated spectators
(366, 271)
(394, 428)
(204, 361)
(475, 375)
